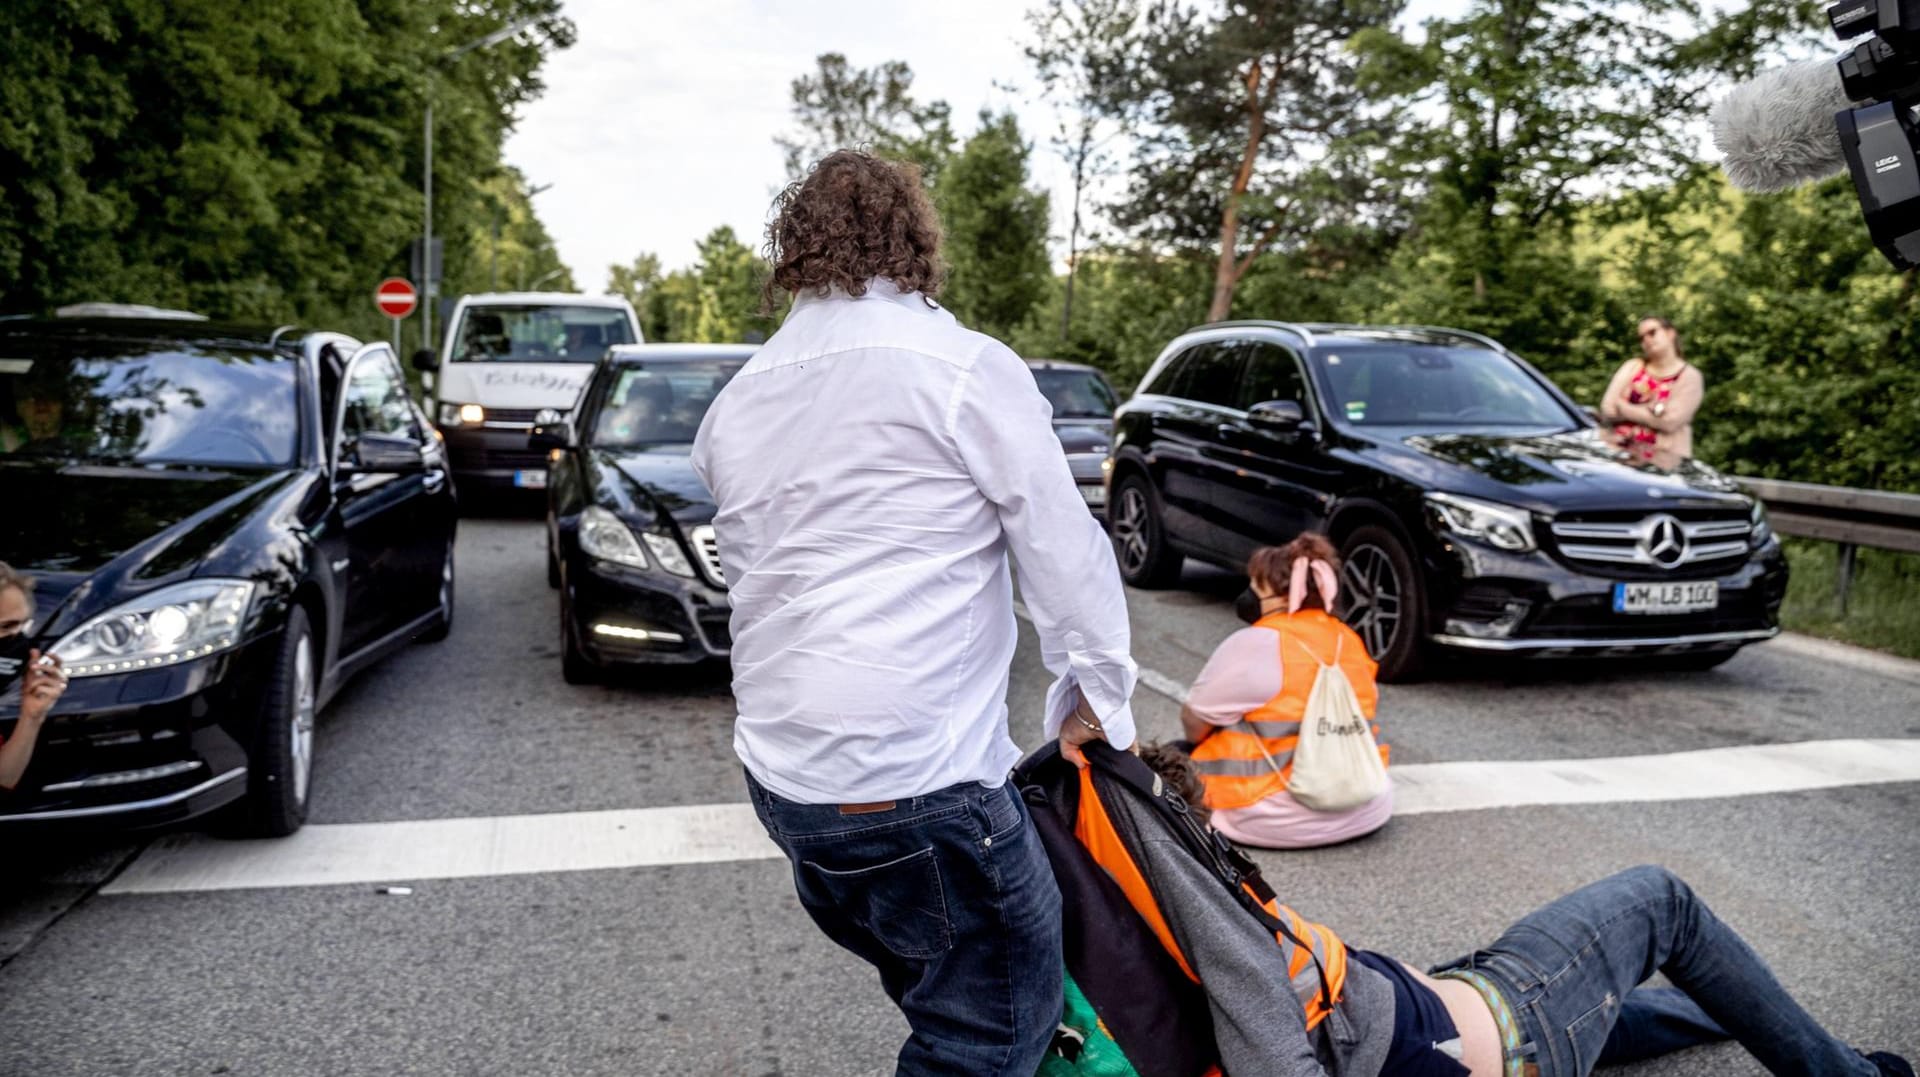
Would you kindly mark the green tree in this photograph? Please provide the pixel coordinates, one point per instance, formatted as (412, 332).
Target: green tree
(839, 106)
(716, 300)
(995, 229)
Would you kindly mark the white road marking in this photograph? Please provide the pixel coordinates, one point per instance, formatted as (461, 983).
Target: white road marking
(362, 853)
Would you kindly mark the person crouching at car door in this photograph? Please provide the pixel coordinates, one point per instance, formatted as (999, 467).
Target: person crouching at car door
(1243, 714)
(41, 679)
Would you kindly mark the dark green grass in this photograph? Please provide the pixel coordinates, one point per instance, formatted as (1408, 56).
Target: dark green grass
(1883, 608)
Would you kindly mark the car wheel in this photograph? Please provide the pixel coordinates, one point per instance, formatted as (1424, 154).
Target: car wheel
(443, 621)
(280, 763)
(553, 565)
(575, 666)
(1139, 538)
(1380, 599)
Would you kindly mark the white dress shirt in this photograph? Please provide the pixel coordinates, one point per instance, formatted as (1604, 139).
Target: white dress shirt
(874, 465)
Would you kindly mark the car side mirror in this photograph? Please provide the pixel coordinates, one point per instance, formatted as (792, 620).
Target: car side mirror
(425, 359)
(382, 454)
(550, 436)
(1278, 416)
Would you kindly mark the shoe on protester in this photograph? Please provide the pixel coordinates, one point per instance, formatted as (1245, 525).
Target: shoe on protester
(1889, 1064)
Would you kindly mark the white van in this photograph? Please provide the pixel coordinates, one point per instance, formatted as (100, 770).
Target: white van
(513, 359)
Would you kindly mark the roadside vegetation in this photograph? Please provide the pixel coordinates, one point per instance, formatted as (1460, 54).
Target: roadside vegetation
(1883, 608)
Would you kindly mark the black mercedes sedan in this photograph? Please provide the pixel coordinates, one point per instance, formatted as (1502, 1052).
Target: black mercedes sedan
(630, 540)
(224, 524)
(1476, 507)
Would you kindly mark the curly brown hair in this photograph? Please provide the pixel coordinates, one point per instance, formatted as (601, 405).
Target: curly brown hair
(1272, 566)
(853, 218)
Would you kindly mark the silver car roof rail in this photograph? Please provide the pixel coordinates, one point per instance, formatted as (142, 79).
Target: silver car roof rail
(1256, 323)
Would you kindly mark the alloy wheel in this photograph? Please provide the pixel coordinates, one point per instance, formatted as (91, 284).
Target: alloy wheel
(1374, 592)
(1130, 529)
(300, 732)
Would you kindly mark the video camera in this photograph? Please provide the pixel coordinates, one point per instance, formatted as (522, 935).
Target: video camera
(1881, 138)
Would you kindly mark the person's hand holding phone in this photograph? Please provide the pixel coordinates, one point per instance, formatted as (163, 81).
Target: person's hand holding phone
(44, 683)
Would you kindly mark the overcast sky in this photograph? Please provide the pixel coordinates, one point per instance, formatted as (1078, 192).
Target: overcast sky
(658, 124)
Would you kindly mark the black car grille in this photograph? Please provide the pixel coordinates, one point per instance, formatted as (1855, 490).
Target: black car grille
(716, 626)
(467, 459)
(520, 415)
(1664, 545)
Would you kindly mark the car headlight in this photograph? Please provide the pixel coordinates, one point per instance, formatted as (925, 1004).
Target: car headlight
(171, 625)
(607, 537)
(1501, 526)
(1762, 530)
(460, 414)
(666, 550)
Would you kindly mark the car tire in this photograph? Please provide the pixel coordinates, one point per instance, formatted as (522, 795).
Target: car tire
(1382, 600)
(553, 565)
(1140, 544)
(280, 758)
(442, 626)
(575, 666)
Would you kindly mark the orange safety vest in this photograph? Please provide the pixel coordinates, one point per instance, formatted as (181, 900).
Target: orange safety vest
(1249, 761)
(1323, 952)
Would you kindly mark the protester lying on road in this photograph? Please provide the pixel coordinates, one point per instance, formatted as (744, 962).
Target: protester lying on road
(1243, 715)
(1559, 993)
(41, 682)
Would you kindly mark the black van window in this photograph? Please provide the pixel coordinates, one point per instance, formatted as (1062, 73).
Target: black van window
(1272, 373)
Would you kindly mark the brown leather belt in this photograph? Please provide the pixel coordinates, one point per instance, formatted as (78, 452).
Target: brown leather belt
(868, 809)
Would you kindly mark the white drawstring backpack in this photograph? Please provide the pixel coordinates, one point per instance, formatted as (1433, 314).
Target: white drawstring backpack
(1336, 763)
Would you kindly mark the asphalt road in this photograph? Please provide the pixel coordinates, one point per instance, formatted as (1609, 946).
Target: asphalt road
(713, 969)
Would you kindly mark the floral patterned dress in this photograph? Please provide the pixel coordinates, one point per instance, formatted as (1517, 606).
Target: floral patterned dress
(1644, 389)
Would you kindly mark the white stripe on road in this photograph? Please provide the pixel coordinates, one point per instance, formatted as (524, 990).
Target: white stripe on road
(364, 853)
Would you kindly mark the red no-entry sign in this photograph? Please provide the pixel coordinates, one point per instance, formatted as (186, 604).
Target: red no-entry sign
(395, 297)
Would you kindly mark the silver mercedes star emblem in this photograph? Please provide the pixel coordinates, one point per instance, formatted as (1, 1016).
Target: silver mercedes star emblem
(1664, 541)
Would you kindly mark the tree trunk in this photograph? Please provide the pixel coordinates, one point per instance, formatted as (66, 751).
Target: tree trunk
(1227, 271)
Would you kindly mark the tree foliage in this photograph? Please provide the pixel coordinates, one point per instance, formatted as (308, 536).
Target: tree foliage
(715, 301)
(839, 106)
(995, 229)
(258, 162)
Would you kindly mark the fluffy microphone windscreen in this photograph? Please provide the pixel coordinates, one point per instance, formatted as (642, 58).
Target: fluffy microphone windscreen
(1776, 130)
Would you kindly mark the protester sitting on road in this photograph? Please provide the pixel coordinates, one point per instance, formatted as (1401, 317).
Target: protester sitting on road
(874, 465)
(40, 685)
(1557, 994)
(1243, 714)
(1652, 400)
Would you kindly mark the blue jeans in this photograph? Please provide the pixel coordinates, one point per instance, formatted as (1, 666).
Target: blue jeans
(1566, 969)
(951, 897)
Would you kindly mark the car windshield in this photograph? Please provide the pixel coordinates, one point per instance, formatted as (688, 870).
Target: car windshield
(142, 404)
(540, 333)
(1076, 394)
(1435, 386)
(659, 402)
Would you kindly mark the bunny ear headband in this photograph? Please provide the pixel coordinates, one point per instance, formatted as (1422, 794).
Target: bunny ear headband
(1323, 579)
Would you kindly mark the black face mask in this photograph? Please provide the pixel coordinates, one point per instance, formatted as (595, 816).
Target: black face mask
(1247, 606)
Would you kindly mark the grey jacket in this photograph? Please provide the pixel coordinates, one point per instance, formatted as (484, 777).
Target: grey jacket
(1257, 1020)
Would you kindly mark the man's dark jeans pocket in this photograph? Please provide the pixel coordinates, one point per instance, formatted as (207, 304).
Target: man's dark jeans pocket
(1003, 815)
(900, 902)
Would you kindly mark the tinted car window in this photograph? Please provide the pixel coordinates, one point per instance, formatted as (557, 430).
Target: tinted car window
(1209, 374)
(142, 403)
(1076, 394)
(658, 403)
(545, 333)
(1169, 376)
(1272, 373)
(376, 401)
(1435, 386)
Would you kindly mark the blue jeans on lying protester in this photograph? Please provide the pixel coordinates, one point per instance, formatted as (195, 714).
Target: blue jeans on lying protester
(1566, 968)
(951, 897)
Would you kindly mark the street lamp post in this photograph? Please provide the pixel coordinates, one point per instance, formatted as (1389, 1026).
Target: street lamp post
(430, 284)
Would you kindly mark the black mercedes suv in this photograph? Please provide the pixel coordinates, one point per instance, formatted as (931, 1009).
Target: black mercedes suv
(223, 525)
(1477, 507)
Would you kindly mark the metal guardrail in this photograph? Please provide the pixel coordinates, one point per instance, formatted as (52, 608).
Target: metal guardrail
(1840, 514)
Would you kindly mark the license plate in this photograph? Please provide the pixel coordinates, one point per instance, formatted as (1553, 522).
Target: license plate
(1665, 597)
(530, 480)
(1094, 495)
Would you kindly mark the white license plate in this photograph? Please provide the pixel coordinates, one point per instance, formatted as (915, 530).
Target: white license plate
(1094, 495)
(530, 480)
(1665, 597)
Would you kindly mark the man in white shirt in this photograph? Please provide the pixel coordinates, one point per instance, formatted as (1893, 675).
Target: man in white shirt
(875, 464)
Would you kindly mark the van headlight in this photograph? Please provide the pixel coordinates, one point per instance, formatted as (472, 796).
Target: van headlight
(1500, 526)
(172, 625)
(461, 414)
